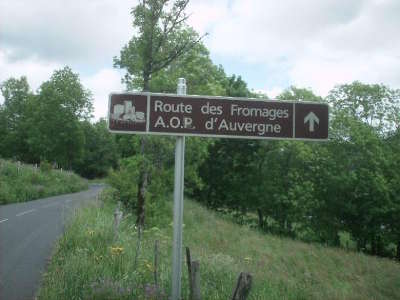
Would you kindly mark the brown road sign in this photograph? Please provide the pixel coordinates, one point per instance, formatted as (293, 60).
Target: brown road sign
(149, 113)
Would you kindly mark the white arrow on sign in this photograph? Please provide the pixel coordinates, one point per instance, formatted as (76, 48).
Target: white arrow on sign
(311, 118)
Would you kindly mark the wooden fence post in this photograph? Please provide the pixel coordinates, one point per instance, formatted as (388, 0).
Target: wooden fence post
(194, 277)
(243, 287)
(196, 294)
(189, 266)
(156, 270)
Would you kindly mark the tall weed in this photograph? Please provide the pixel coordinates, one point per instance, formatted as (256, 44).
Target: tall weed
(20, 183)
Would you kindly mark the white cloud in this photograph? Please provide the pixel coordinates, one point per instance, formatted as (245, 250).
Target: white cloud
(102, 84)
(258, 30)
(205, 14)
(322, 75)
(41, 36)
(309, 43)
(89, 32)
(313, 43)
(37, 71)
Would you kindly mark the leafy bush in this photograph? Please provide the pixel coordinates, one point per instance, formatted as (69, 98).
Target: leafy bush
(125, 183)
(45, 166)
(20, 183)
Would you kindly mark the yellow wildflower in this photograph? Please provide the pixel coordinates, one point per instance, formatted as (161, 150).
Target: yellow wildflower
(149, 267)
(116, 250)
(247, 258)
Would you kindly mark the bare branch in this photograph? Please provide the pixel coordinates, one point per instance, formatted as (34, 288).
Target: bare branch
(177, 21)
(179, 51)
(155, 16)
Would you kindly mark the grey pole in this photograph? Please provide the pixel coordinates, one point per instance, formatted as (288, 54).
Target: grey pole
(178, 206)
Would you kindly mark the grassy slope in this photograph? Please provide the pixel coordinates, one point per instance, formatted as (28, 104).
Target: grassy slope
(23, 183)
(85, 265)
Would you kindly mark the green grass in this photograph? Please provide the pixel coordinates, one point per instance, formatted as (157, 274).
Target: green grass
(20, 183)
(85, 267)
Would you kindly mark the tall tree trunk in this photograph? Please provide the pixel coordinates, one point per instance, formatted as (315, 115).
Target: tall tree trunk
(146, 82)
(260, 218)
(336, 240)
(373, 245)
(144, 172)
(361, 244)
(379, 246)
(398, 250)
(142, 188)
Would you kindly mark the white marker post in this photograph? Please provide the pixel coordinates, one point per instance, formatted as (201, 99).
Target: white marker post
(178, 206)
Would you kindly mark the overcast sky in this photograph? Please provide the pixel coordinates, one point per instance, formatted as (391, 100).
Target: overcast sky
(271, 44)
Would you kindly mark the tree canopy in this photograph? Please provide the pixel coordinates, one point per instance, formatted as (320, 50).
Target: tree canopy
(162, 37)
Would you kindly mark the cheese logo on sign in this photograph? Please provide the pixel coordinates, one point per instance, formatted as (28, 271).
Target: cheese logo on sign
(127, 112)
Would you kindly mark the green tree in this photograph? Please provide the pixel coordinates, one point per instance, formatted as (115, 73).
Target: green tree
(271, 178)
(288, 172)
(231, 165)
(299, 94)
(195, 65)
(362, 116)
(374, 104)
(100, 152)
(162, 37)
(13, 117)
(294, 93)
(55, 133)
(237, 87)
(393, 211)
(359, 182)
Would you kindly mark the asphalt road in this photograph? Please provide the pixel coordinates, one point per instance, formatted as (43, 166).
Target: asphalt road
(27, 235)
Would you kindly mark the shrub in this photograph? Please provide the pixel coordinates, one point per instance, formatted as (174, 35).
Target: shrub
(19, 183)
(45, 166)
(125, 182)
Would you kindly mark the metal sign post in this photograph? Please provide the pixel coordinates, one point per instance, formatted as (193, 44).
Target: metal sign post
(178, 207)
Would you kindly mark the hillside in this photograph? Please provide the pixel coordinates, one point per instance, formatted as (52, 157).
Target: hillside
(89, 263)
(21, 182)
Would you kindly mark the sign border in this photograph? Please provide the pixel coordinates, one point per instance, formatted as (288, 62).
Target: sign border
(149, 94)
